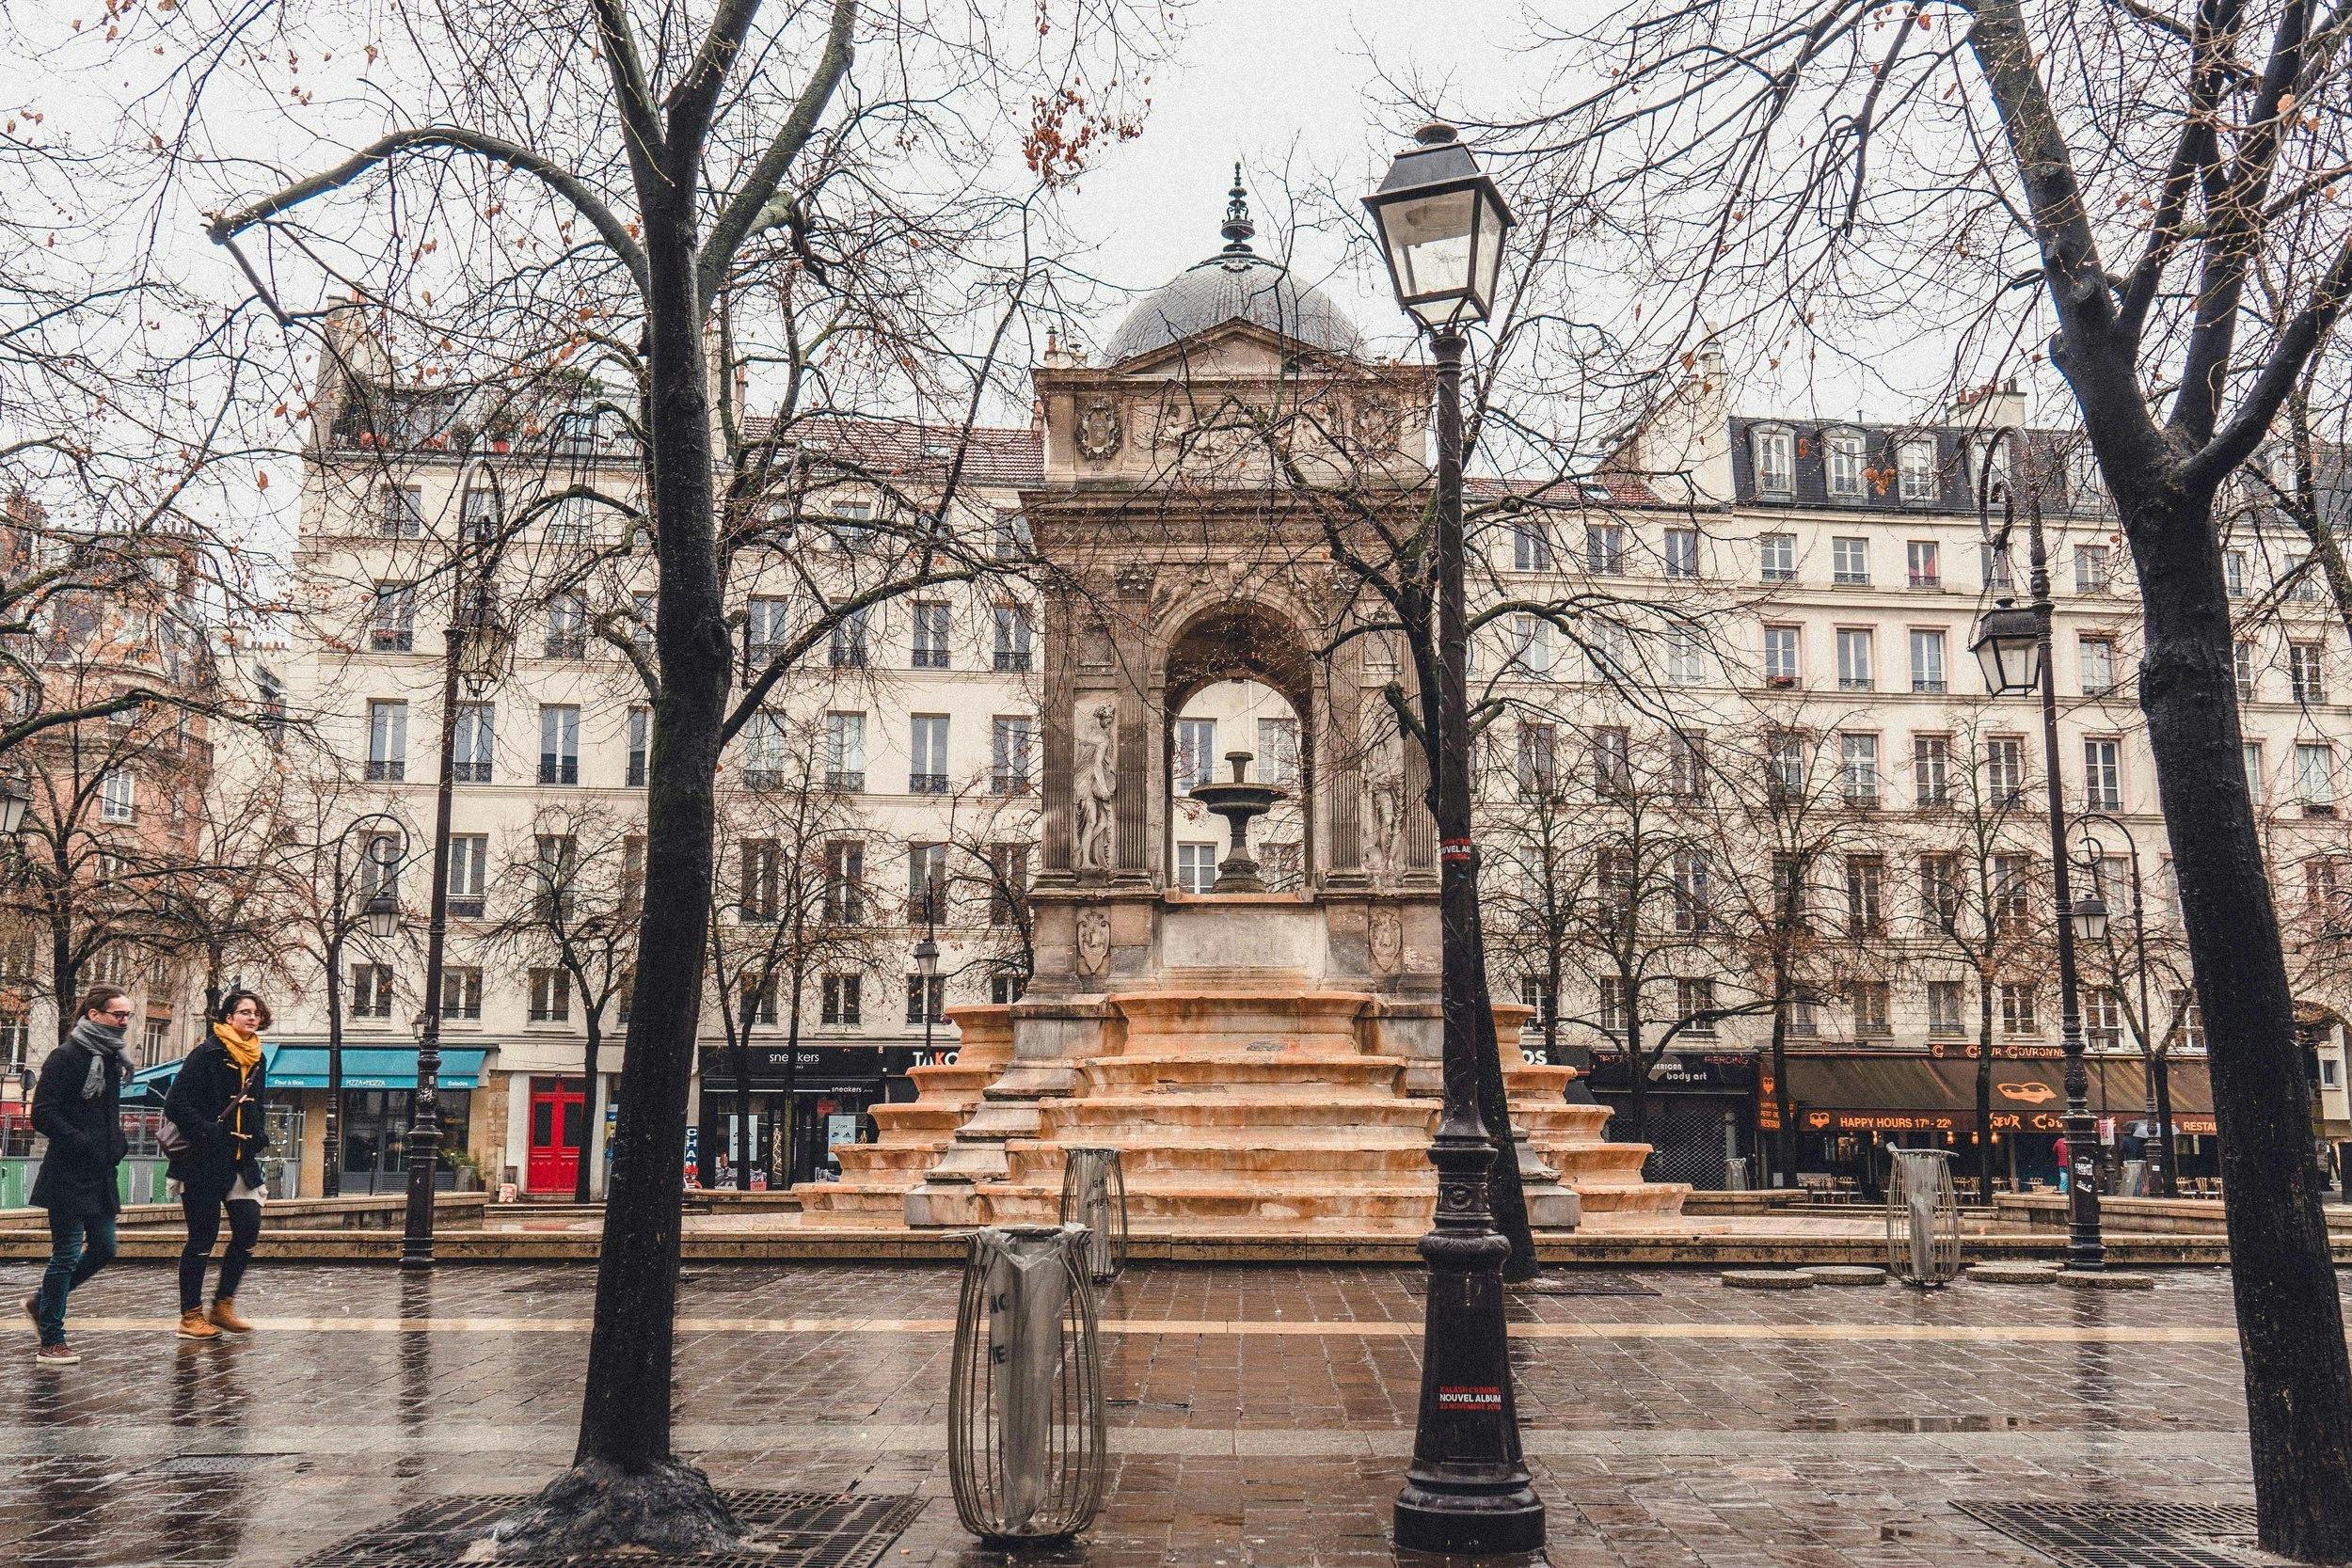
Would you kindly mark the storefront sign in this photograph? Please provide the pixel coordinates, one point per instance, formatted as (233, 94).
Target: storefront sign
(1679, 1072)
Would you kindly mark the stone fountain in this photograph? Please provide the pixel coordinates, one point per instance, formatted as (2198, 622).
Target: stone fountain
(1239, 802)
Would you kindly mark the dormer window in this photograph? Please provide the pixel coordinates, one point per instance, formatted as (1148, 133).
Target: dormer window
(1844, 464)
(1775, 463)
(1915, 467)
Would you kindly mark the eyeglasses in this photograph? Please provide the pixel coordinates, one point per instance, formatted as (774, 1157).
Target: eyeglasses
(123, 1013)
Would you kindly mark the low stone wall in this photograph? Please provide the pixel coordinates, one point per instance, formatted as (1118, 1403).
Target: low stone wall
(2147, 1216)
(374, 1212)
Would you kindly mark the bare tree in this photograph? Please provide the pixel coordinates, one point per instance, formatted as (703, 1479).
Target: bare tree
(1979, 903)
(693, 194)
(1784, 826)
(576, 876)
(783, 910)
(1973, 151)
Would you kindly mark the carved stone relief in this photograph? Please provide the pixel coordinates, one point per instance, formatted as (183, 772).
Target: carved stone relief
(1094, 940)
(1387, 938)
(1094, 789)
(1100, 430)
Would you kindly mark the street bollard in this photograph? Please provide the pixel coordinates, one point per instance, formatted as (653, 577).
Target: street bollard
(1922, 1217)
(1026, 1436)
(1094, 1194)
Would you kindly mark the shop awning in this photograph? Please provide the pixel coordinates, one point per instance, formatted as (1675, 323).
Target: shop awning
(369, 1067)
(1908, 1093)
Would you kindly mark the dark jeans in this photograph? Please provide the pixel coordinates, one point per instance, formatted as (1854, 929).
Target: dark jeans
(203, 1218)
(79, 1246)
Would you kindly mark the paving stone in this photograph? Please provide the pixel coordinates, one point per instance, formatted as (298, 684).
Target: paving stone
(2011, 1274)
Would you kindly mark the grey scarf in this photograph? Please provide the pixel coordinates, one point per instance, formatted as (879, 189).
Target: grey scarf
(102, 1040)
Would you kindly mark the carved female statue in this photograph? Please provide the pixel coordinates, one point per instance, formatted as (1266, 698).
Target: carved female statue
(1095, 790)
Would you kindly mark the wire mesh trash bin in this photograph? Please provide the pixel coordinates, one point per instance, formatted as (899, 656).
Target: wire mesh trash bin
(1025, 1441)
(1094, 1194)
(1922, 1217)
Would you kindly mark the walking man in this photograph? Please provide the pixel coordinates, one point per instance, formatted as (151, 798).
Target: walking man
(77, 1107)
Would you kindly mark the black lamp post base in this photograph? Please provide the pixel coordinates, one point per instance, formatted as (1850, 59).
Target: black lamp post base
(1487, 1517)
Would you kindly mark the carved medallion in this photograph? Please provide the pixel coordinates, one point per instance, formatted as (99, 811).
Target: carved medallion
(1094, 940)
(1387, 937)
(1378, 418)
(1098, 430)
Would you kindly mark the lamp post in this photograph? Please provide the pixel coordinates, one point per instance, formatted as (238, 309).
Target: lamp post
(2157, 1105)
(380, 913)
(1441, 224)
(2013, 648)
(478, 648)
(927, 959)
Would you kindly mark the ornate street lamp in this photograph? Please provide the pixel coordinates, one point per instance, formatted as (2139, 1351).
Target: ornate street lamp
(2090, 919)
(479, 645)
(1441, 227)
(2156, 1095)
(379, 914)
(2008, 647)
(2013, 646)
(15, 795)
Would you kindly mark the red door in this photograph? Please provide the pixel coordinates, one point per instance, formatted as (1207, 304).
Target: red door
(557, 1107)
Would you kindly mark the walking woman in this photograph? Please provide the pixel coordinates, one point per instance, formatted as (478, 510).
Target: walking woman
(215, 1102)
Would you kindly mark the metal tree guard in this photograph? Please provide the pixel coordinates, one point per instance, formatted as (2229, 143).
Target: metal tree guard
(1026, 1448)
(1922, 1217)
(1094, 1194)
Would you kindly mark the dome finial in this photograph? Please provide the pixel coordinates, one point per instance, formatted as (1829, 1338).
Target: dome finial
(1238, 230)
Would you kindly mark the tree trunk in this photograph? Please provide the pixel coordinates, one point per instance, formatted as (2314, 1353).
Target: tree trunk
(583, 1188)
(625, 1485)
(2298, 1385)
(2163, 1071)
(1636, 1075)
(1984, 1089)
(1784, 1110)
(1506, 1196)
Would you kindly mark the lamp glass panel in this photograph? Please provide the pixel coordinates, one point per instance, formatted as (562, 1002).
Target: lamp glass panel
(1487, 256)
(1429, 242)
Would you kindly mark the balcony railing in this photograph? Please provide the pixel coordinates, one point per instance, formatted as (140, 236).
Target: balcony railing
(926, 784)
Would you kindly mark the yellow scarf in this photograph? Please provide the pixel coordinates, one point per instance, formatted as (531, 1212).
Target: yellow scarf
(245, 1051)
(246, 1054)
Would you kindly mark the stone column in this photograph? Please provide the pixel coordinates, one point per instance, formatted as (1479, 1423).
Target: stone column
(1339, 776)
(1420, 829)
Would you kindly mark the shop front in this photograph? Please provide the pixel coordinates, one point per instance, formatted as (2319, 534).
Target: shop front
(802, 1105)
(1699, 1114)
(1849, 1106)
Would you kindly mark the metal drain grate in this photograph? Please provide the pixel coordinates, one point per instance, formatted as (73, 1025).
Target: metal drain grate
(2125, 1535)
(217, 1463)
(785, 1529)
(1582, 1284)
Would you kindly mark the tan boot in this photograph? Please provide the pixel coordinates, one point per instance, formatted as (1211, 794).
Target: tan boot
(224, 1315)
(193, 1326)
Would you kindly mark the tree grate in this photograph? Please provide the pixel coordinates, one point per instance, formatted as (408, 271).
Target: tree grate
(218, 1464)
(783, 1530)
(1578, 1283)
(2125, 1535)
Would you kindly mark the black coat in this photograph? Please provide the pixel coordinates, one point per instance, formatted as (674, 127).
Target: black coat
(222, 1145)
(86, 1142)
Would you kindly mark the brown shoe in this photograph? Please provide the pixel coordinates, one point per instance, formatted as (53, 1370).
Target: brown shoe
(193, 1326)
(59, 1355)
(224, 1315)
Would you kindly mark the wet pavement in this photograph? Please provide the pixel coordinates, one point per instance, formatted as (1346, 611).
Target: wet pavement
(1260, 1414)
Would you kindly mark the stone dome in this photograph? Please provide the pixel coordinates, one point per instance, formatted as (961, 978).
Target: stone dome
(1235, 284)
